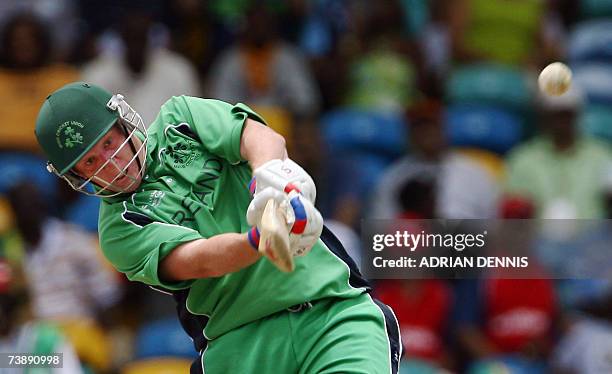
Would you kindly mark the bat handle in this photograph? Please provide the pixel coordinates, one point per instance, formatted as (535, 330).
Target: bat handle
(274, 237)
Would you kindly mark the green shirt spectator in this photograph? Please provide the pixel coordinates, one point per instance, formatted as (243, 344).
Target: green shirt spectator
(562, 184)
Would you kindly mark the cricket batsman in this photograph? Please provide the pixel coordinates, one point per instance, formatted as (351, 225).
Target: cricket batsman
(179, 212)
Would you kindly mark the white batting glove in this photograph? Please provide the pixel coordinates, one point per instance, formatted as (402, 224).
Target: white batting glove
(283, 175)
(258, 204)
(303, 220)
(307, 226)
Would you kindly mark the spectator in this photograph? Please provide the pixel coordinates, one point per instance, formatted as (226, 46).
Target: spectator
(510, 320)
(324, 40)
(586, 343)
(498, 317)
(27, 75)
(59, 257)
(417, 198)
(515, 33)
(422, 306)
(560, 171)
(147, 75)
(19, 333)
(585, 348)
(59, 16)
(586, 332)
(195, 33)
(464, 188)
(262, 70)
(383, 74)
(435, 42)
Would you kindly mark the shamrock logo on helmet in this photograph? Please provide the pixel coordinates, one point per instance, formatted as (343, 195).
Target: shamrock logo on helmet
(67, 134)
(72, 137)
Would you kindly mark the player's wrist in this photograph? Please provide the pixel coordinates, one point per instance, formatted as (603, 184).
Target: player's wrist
(253, 237)
(252, 186)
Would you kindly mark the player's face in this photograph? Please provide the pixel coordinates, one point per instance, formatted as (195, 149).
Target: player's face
(118, 173)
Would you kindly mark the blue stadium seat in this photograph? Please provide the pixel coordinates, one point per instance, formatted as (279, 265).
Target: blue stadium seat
(350, 174)
(490, 84)
(316, 38)
(164, 338)
(16, 167)
(483, 127)
(84, 212)
(595, 80)
(356, 173)
(364, 131)
(416, 366)
(510, 364)
(591, 41)
(595, 8)
(596, 121)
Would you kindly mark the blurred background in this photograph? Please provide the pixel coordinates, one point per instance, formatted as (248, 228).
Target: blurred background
(397, 108)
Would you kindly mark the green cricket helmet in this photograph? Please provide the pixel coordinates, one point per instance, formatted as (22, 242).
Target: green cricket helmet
(73, 119)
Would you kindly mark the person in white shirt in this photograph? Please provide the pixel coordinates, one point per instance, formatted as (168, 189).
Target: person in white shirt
(148, 75)
(65, 271)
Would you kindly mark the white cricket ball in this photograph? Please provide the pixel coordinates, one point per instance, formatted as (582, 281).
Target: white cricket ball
(555, 79)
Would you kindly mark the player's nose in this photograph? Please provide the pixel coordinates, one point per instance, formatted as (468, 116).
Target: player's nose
(113, 167)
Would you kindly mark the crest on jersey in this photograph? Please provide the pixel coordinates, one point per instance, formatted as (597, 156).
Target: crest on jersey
(182, 154)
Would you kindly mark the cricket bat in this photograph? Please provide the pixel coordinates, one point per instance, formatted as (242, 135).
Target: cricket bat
(274, 237)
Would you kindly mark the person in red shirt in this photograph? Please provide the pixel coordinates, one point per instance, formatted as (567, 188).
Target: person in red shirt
(422, 308)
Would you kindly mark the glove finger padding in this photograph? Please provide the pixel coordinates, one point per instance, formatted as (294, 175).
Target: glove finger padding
(258, 204)
(283, 175)
(308, 225)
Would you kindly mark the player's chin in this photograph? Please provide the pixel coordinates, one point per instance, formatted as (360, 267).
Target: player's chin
(131, 183)
(126, 183)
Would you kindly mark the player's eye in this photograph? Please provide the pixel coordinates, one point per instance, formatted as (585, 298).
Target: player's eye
(89, 162)
(108, 142)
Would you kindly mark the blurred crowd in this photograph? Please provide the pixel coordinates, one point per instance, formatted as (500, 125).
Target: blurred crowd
(411, 109)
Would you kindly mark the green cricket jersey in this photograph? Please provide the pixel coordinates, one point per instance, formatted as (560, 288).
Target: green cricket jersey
(196, 187)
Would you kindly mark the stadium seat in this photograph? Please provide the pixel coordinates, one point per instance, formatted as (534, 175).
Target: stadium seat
(162, 365)
(360, 170)
(591, 41)
(316, 38)
(595, 8)
(595, 80)
(326, 20)
(164, 338)
(509, 364)
(364, 131)
(89, 341)
(351, 174)
(596, 121)
(15, 167)
(483, 127)
(490, 84)
(416, 366)
(574, 293)
(84, 212)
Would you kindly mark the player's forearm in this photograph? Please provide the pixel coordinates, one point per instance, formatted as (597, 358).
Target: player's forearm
(260, 144)
(206, 258)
